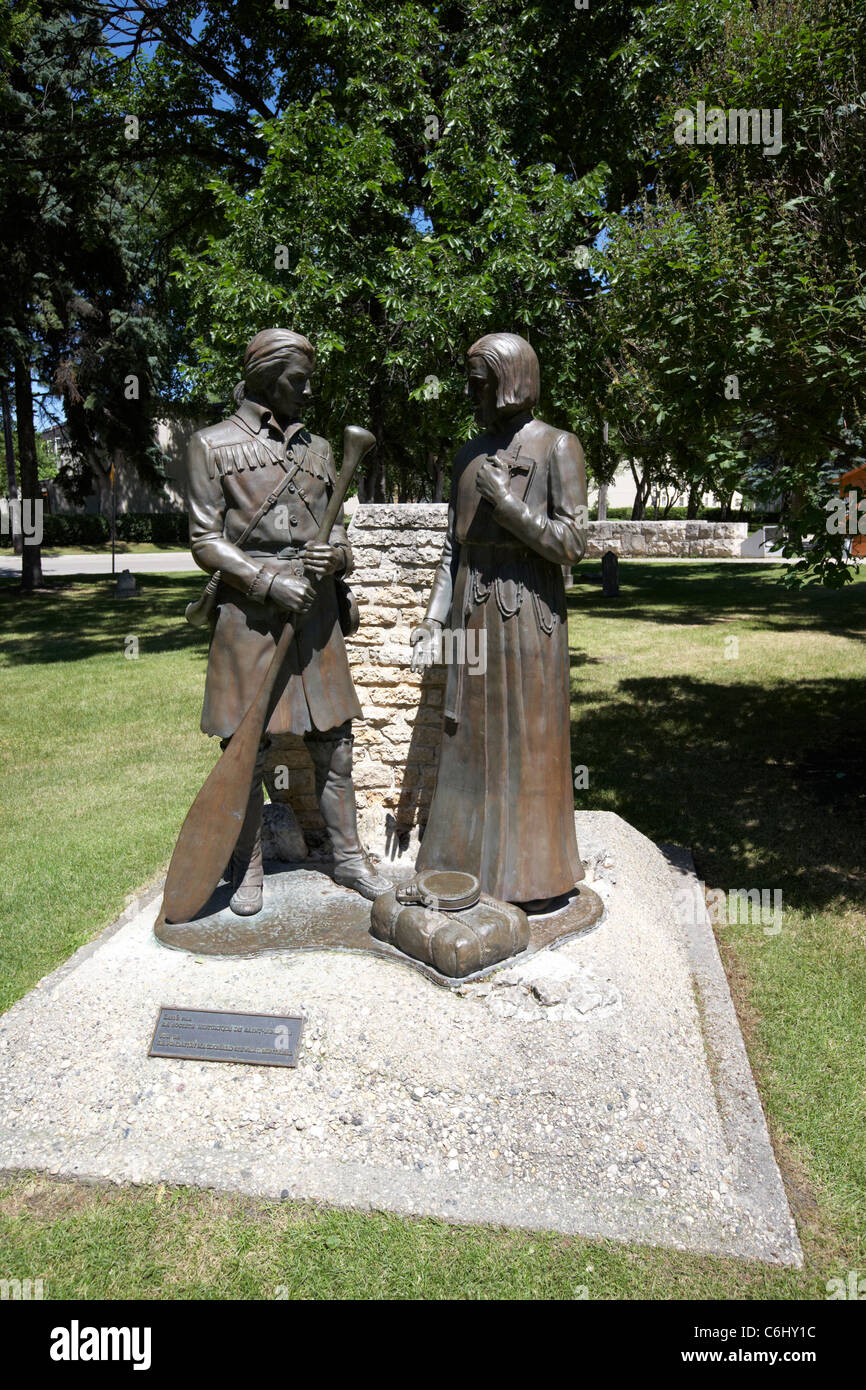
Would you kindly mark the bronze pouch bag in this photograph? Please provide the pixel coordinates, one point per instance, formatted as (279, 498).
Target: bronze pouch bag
(441, 918)
(347, 609)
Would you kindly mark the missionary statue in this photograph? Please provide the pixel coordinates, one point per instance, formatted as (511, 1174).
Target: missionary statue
(266, 520)
(503, 807)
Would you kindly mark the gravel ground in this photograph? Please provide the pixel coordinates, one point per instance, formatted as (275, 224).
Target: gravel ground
(571, 1091)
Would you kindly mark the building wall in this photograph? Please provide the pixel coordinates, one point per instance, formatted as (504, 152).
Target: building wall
(134, 495)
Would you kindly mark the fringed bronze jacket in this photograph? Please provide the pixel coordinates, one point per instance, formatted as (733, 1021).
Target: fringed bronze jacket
(232, 469)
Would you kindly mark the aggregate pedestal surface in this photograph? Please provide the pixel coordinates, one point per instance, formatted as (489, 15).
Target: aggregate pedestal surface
(600, 1087)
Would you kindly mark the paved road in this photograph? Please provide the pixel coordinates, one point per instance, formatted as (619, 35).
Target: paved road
(180, 562)
(160, 562)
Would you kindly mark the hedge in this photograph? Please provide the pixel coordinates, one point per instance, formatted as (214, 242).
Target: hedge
(754, 518)
(80, 528)
(172, 528)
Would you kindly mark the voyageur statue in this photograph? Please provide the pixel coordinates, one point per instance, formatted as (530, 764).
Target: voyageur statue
(503, 807)
(258, 489)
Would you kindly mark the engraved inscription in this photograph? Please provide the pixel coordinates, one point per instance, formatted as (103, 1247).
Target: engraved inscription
(212, 1036)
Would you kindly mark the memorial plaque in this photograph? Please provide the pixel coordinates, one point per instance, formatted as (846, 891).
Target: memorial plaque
(206, 1035)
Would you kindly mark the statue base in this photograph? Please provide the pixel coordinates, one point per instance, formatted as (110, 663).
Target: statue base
(304, 910)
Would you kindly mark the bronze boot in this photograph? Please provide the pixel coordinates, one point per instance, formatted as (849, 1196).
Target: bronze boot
(332, 760)
(247, 869)
(247, 879)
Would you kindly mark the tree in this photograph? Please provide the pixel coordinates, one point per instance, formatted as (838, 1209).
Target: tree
(401, 212)
(74, 290)
(759, 257)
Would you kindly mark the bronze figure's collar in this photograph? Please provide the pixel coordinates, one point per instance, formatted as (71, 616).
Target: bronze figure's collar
(257, 416)
(504, 430)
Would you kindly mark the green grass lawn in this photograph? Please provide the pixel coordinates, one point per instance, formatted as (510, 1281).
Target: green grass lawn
(712, 707)
(52, 552)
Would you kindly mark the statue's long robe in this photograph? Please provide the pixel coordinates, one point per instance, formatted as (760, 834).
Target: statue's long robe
(503, 807)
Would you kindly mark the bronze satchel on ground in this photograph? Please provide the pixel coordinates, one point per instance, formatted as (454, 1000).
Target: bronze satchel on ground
(442, 918)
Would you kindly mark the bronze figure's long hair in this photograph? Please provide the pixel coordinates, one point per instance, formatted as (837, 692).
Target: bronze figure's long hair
(515, 365)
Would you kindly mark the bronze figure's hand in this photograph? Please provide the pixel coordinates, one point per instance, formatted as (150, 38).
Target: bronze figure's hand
(321, 559)
(492, 482)
(293, 595)
(426, 644)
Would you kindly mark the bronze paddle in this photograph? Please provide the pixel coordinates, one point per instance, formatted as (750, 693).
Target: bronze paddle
(213, 823)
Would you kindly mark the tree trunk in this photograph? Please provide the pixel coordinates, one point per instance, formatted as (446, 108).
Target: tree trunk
(436, 469)
(693, 503)
(14, 517)
(602, 502)
(375, 479)
(439, 494)
(642, 484)
(31, 556)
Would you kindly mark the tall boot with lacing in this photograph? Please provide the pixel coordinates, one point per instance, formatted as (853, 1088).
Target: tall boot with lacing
(247, 869)
(335, 791)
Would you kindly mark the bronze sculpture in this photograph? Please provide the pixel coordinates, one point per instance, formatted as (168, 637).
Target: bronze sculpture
(503, 807)
(262, 495)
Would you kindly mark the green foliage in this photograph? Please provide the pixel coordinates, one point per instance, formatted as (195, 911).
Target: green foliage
(46, 459)
(80, 528)
(156, 528)
(75, 280)
(71, 529)
(734, 319)
(398, 218)
(397, 178)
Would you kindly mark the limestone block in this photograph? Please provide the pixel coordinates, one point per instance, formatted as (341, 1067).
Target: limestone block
(370, 773)
(375, 714)
(376, 676)
(387, 617)
(426, 738)
(429, 716)
(404, 694)
(367, 737)
(405, 595)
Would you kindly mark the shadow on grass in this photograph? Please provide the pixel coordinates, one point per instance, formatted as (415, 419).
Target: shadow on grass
(91, 621)
(700, 595)
(766, 784)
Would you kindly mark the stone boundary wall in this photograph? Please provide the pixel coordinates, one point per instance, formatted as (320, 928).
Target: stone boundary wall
(396, 549)
(708, 540)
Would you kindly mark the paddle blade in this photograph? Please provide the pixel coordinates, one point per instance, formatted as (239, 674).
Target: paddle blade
(210, 832)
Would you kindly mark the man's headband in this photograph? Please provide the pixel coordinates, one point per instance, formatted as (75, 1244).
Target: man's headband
(273, 346)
